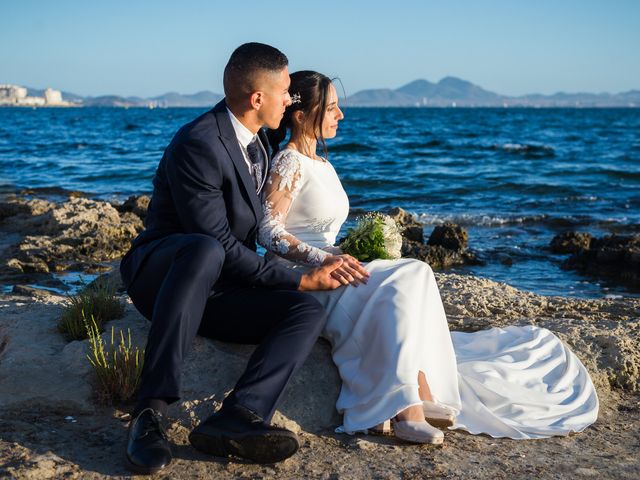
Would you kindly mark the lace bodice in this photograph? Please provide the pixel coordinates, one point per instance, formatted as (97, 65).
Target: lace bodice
(304, 208)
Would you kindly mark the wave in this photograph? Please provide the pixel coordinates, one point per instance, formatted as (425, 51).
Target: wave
(59, 147)
(527, 189)
(351, 147)
(370, 183)
(556, 222)
(480, 220)
(430, 144)
(108, 177)
(617, 174)
(582, 198)
(527, 149)
(412, 154)
(471, 134)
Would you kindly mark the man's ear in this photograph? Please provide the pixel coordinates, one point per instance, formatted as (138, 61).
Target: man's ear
(256, 100)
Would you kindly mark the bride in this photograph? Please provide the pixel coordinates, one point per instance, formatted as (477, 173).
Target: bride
(389, 334)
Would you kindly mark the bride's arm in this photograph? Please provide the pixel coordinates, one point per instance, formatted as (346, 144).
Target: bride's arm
(282, 187)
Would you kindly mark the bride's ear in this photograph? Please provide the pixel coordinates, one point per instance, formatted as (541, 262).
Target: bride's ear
(298, 117)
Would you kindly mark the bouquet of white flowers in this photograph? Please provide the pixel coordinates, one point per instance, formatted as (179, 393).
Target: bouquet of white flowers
(375, 236)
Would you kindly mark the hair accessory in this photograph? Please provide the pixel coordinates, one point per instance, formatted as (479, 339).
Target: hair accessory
(295, 98)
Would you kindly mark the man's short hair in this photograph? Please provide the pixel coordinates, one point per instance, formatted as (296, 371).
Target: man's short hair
(246, 63)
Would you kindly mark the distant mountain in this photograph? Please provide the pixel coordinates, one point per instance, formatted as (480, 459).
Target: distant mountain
(452, 91)
(200, 99)
(447, 90)
(114, 101)
(463, 91)
(445, 93)
(171, 99)
(561, 99)
(204, 98)
(418, 88)
(381, 98)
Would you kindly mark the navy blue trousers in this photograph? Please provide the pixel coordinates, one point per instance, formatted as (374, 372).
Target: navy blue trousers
(178, 289)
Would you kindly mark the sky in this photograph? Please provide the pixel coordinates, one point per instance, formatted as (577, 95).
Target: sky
(147, 48)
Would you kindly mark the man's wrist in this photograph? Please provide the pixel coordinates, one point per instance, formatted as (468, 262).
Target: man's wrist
(304, 283)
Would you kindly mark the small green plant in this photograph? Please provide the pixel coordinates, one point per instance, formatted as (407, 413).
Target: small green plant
(98, 301)
(117, 366)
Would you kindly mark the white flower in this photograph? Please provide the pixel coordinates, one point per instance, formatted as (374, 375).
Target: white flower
(392, 237)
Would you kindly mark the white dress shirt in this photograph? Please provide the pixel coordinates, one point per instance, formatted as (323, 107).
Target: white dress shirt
(245, 137)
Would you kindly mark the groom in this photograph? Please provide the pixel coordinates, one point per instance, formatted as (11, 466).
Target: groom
(195, 270)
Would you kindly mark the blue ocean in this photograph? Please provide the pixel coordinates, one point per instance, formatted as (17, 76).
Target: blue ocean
(513, 178)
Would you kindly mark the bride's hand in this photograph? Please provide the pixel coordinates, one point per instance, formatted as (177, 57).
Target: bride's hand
(351, 272)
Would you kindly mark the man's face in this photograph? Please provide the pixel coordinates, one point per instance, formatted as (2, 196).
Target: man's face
(275, 97)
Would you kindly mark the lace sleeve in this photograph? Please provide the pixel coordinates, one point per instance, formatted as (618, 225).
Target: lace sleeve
(282, 187)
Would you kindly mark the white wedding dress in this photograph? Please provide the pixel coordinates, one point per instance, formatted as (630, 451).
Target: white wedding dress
(517, 382)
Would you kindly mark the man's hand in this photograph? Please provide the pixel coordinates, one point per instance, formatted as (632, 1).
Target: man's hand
(321, 278)
(350, 272)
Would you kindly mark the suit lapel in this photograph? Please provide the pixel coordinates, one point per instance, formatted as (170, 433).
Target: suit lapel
(230, 142)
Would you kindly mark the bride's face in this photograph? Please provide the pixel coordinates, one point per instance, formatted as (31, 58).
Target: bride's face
(332, 115)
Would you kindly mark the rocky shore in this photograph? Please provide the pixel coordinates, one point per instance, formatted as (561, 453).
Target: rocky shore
(51, 427)
(615, 257)
(41, 237)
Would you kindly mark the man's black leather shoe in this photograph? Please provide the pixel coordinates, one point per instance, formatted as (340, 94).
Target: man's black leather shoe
(148, 449)
(238, 431)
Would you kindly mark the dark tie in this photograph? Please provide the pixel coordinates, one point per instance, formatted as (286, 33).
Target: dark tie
(255, 156)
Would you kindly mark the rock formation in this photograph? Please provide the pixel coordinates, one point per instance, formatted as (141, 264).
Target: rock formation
(447, 245)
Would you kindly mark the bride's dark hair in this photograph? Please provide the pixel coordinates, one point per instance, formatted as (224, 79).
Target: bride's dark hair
(309, 91)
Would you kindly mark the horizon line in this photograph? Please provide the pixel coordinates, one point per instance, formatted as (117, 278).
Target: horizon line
(601, 92)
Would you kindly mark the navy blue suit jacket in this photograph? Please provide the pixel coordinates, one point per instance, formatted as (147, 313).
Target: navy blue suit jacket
(202, 185)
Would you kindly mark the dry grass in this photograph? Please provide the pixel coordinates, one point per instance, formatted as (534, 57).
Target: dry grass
(117, 366)
(97, 301)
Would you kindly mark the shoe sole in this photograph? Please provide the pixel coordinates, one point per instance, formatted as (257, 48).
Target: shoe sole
(265, 448)
(392, 433)
(440, 422)
(142, 470)
(434, 441)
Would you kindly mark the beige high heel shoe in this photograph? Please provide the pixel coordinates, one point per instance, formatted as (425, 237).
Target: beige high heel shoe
(414, 432)
(438, 415)
(417, 432)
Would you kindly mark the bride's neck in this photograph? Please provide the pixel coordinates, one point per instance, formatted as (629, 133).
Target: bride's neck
(303, 144)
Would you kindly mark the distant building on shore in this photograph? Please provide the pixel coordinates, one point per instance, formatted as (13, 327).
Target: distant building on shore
(12, 94)
(52, 97)
(17, 96)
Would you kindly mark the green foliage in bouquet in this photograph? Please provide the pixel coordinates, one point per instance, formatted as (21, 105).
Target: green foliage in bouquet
(375, 236)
